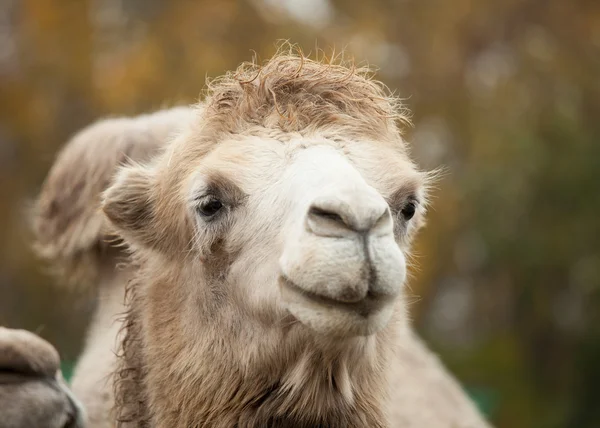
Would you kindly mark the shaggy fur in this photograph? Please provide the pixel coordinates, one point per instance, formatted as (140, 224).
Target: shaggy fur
(32, 391)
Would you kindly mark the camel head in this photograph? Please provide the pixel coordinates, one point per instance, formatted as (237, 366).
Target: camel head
(294, 189)
(282, 213)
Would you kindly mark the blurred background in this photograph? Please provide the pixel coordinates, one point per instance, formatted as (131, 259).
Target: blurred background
(504, 94)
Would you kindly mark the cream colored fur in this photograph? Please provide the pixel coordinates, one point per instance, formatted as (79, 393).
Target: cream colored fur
(288, 309)
(92, 382)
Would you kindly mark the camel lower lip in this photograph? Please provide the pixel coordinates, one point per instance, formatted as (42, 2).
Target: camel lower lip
(364, 307)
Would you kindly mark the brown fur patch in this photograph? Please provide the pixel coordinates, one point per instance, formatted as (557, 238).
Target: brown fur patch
(296, 94)
(130, 402)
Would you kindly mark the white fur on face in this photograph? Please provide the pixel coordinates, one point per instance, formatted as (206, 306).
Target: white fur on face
(314, 238)
(341, 268)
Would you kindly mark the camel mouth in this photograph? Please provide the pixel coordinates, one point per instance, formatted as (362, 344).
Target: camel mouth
(329, 316)
(362, 307)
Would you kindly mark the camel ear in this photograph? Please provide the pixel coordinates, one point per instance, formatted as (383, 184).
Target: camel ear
(128, 204)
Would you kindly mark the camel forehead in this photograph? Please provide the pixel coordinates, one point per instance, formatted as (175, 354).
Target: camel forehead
(250, 159)
(244, 153)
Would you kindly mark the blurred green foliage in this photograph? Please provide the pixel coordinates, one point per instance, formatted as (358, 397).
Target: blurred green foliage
(505, 94)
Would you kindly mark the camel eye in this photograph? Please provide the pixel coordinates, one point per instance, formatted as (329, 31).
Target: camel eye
(409, 210)
(209, 207)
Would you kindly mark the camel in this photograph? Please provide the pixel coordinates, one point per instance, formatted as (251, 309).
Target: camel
(266, 246)
(33, 392)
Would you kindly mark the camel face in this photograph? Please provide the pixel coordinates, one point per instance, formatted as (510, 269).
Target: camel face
(313, 228)
(290, 192)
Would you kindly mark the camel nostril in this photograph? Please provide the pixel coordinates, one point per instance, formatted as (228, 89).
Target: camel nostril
(329, 215)
(359, 212)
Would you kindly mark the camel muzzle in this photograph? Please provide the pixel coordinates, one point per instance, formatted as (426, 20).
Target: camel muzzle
(344, 271)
